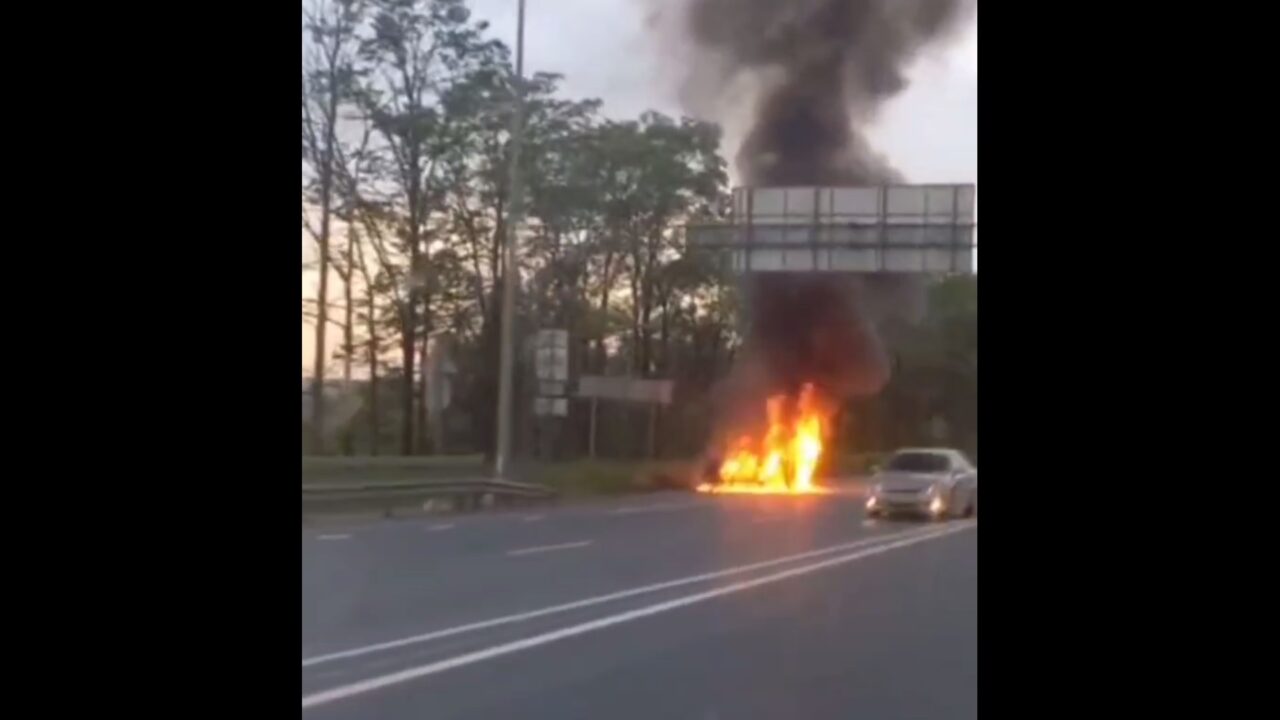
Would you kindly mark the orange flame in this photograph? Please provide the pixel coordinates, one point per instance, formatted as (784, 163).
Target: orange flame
(785, 459)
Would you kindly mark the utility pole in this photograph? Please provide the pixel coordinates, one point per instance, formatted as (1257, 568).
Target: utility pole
(506, 371)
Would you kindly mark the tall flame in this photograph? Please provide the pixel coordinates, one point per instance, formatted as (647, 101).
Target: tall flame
(785, 458)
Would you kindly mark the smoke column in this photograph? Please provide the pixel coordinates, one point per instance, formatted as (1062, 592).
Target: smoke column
(824, 68)
(821, 69)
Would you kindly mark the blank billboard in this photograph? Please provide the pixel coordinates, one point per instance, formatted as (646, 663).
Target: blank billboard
(894, 228)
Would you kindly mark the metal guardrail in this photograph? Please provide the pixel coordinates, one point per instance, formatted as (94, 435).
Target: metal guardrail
(385, 497)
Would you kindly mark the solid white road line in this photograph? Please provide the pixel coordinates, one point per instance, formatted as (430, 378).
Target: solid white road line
(549, 548)
(333, 537)
(598, 599)
(375, 683)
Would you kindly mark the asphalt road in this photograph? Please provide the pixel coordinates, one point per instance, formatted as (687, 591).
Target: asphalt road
(671, 606)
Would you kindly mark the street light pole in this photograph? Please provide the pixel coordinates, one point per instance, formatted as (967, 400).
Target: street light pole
(506, 374)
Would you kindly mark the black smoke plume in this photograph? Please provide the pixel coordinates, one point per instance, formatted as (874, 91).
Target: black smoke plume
(822, 68)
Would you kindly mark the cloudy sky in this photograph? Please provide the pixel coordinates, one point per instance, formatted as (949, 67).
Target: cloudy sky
(602, 47)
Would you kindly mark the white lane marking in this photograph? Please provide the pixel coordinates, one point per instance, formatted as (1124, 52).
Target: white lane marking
(375, 683)
(598, 599)
(533, 518)
(438, 528)
(549, 548)
(333, 537)
(869, 523)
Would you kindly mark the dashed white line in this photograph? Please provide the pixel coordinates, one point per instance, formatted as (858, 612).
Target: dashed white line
(334, 537)
(438, 528)
(376, 683)
(549, 548)
(598, 599)
(533, 518)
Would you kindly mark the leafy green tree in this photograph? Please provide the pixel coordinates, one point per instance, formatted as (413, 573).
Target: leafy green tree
(414, 52)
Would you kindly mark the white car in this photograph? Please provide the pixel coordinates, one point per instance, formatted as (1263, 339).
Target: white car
(934, 482)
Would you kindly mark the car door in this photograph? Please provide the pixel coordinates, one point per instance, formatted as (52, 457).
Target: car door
(967, 480)
(957, 494)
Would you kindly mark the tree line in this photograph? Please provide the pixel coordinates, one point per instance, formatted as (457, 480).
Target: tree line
(406, 135)
(407, 110)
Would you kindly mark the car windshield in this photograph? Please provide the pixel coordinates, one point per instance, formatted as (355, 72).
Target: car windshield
(918, 462)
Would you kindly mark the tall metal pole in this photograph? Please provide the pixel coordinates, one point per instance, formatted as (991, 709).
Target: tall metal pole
(506, 374)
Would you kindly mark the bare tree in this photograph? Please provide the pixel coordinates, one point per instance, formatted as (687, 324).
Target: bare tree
(328, 72)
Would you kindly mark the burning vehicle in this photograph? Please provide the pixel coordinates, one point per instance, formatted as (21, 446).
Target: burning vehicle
(828, 241)
(783, 458)
(822, 267)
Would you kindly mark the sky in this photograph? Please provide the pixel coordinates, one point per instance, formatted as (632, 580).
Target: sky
(604, 50)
